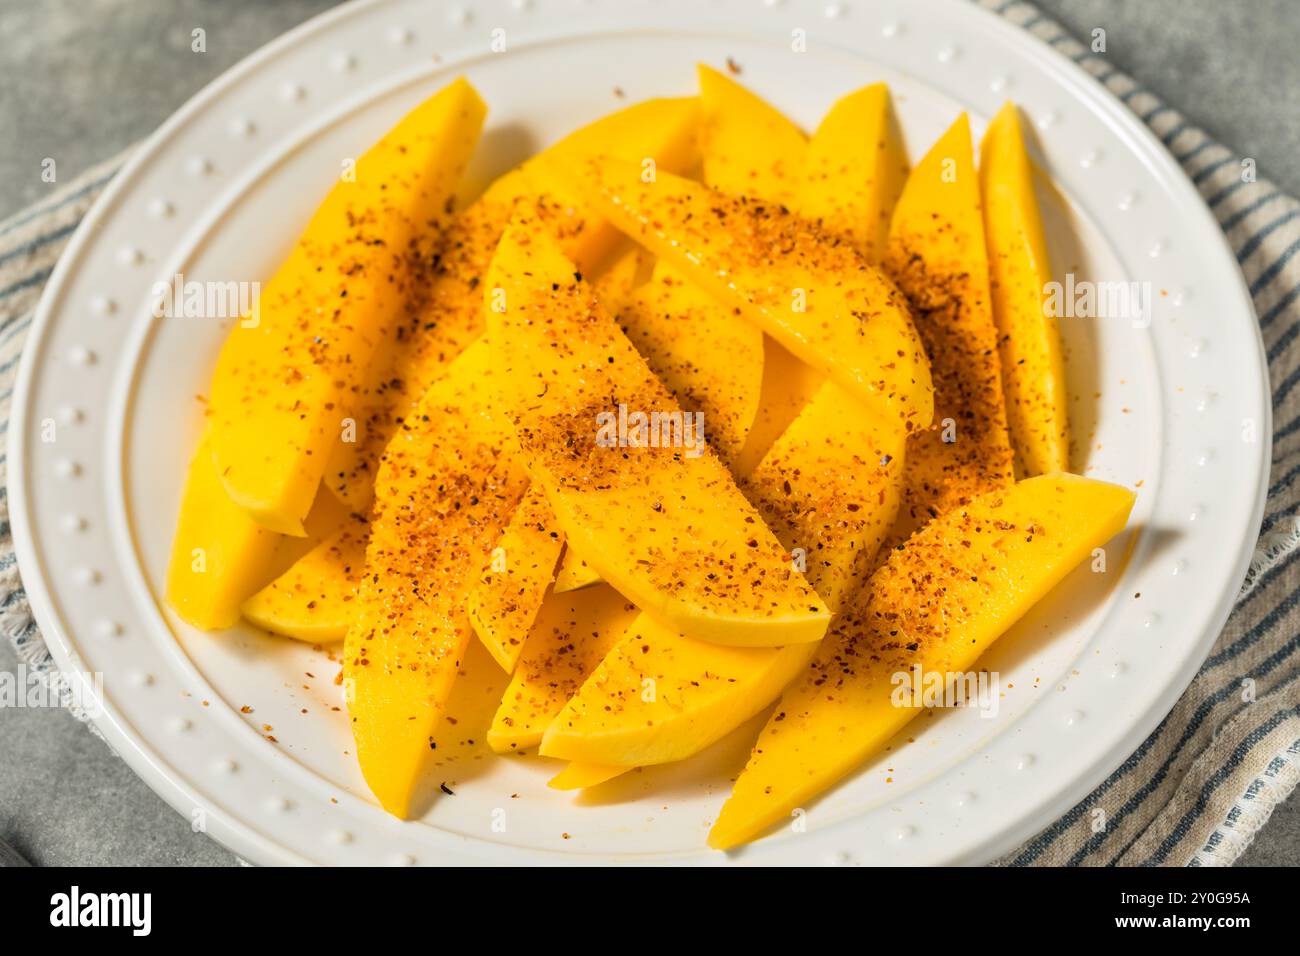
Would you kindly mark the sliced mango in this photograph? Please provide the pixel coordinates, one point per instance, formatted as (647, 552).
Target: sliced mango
(450, 316)
(789, 383)
(749, 148)
(579, 776)
(574, 573)
(937, 255)
(219, 554)
(829, 489)
(570, 636)
(505, 602)
(710, 360)
(659, 134)
(1033, 367)
(855, 170)
(284, 374)
(658, 697)
(938, 602)
(655, 513)
(446, 489)
(314, 600)
(631, 267)
(817, 298)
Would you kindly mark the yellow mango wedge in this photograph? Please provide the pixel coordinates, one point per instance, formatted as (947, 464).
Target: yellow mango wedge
(1033, 368)
(710, 360)
(446, 489)
(580, 776)
(450, 316)
(219, 554)
(855, 170)
(659, 134)
(938, 602)
(505, 602)
(820, 300)
(574, 573)
(655, 513)
(314, 600)
(284, 374)
(937, 255)
(829, 489)
(749, 148)
(567, 641)
(658, 697)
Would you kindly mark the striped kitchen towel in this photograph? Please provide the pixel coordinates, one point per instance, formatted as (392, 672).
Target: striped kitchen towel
(1206, 779)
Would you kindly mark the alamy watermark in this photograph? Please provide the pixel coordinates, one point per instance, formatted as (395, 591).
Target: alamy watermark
(1082, 299)
(636, 429)
(190, 299)
(924, 689)
(29, 687)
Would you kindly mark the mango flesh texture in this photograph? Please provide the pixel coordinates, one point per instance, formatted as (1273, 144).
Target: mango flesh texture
(937, 255)
(830, 487)
(449, 312)
(314, 600)
(570, 636)
(820, 300)
(667, 528)
(749, 148)
(505, 602)
(710, 360)
(938, 602)
(283, 376)
(219, 554)
(1033, 367)
(446, 489)
(580, 776)
(855, 170)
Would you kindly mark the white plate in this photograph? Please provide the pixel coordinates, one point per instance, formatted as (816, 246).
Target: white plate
(223, 188)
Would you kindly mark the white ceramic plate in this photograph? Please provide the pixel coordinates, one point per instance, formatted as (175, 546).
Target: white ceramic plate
(223, 188)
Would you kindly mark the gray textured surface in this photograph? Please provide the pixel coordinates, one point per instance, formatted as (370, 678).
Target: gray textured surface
(84, 78)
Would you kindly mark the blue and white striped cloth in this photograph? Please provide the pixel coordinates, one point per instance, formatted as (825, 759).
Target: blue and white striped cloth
(1206, 779)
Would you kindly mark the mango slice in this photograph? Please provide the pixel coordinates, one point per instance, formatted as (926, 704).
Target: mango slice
(662, 521)
(818, 299)
(219, 554)
(710, 360)
(658, 697)
(446, 489)
(505, 602)
(574, 573)
(829, 489)
(938, 603)
(283, 374)
(580, 776)
(855, 170)
(936, 254)
(659, 134)
(748, 147)
(450, 313)
(314, 600)
(570, 636)
(1033, 368)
